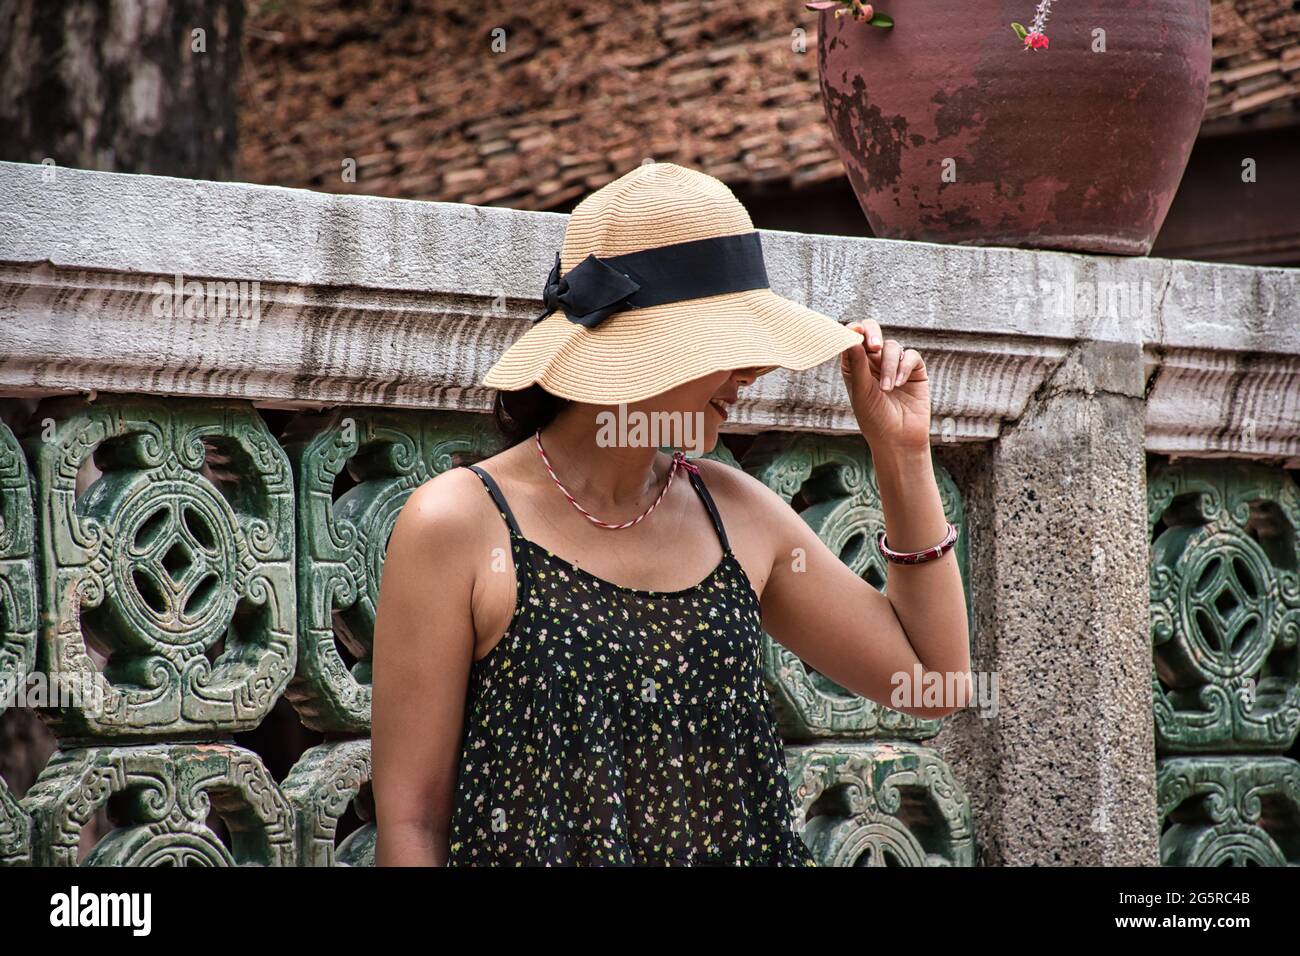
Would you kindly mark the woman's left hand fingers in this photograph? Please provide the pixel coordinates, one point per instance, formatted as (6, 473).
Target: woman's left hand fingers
(871, 336)
(889, 356)
(909, 363)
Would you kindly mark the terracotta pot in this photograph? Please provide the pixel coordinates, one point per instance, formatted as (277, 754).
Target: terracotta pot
(1061, 148)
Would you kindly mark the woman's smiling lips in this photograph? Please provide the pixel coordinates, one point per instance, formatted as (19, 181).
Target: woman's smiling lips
(719, 405)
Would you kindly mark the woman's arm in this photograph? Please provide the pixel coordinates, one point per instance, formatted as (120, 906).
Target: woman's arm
(866, 641)
(424, 642)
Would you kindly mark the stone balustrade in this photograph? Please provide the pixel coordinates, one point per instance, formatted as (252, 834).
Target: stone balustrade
(217, 396)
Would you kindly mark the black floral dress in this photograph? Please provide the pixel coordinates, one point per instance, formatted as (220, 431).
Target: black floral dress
(613, 726)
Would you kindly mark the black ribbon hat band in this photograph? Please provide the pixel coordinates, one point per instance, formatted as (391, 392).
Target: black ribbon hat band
(596, 288)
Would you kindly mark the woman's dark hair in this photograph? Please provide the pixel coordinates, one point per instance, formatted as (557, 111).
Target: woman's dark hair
(521, 412)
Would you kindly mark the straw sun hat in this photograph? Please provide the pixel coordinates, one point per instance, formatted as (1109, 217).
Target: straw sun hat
(660, 281)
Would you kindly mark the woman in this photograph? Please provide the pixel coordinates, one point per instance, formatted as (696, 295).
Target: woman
(567, 651)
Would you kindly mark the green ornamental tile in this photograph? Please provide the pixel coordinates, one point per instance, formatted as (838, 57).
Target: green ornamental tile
(162, 795)
(176, 562)
(831, 483)
(15, 831)
(358, 848)
(879, 804)
(325, 781)
(342, 543)
(17, 573)
(1229, 811)
(1225, 607)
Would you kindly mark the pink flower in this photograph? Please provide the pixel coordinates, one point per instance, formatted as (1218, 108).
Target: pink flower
(1036, 40)
(859, 10)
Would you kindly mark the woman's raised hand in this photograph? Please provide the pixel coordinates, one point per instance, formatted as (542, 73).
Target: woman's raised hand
(888, 389)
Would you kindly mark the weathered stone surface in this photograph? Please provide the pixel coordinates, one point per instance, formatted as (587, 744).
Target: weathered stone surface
(365, 300)
(1062, 619)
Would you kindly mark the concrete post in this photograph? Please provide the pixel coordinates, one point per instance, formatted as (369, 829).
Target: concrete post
(1065, 622)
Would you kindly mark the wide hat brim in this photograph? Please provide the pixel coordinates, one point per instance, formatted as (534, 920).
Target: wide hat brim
(638, 353)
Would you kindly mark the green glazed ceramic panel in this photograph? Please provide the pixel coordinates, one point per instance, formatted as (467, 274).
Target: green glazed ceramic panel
(1229, 811)
(176, 563)
(1225, 607)
(162, 795)
(325, 781)
(880, 804)
(15, 830)
(17, 572)
(342, 543)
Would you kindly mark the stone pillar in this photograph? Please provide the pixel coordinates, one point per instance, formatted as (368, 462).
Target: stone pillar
(1064, 621)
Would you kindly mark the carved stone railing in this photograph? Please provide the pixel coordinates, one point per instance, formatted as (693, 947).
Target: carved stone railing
(1225, 625)
(196, 505)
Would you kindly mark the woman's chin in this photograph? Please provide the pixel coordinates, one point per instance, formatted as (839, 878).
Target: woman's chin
(709, 435)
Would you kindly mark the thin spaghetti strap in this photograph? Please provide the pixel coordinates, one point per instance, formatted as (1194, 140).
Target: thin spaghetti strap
(522, 563)
(698, 482)
(498, 498)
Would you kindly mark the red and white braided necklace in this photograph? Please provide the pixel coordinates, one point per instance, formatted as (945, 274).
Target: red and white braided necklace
(679, 461)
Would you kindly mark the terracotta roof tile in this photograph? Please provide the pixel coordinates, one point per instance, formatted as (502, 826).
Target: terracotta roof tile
(419, 97)
(1256, 42)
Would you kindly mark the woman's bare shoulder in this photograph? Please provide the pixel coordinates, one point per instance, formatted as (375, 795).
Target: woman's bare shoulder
(457, 501)
(734, 488)
(449, 508)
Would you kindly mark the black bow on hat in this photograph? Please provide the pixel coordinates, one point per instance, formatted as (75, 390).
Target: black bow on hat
(596, 288)
(589, 293)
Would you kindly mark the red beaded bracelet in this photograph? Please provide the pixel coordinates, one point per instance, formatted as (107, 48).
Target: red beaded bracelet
(918, 557)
